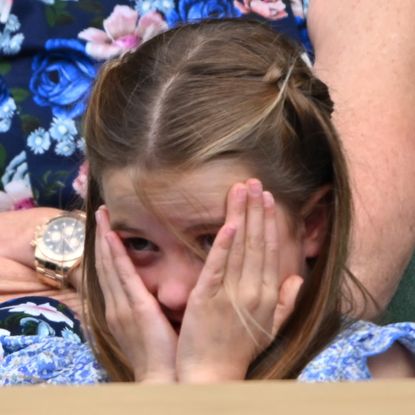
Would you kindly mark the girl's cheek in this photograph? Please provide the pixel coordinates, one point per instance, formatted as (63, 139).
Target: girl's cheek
(148, 277)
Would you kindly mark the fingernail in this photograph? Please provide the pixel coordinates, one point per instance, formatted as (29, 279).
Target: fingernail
(241, 193)
(98, 216)
(268, 199)
(255, 187)
(229, 230)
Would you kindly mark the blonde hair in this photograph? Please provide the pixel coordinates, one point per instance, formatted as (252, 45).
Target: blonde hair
(225, 89)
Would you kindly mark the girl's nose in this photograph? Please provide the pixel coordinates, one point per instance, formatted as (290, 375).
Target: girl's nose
(176, 284)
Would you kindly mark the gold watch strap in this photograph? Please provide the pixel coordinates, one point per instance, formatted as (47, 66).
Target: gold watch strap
(52, 275)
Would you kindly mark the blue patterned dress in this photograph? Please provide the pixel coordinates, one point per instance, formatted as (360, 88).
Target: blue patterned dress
(50, 53)
(41, 342)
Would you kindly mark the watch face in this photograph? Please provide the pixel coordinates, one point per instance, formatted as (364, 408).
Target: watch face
(63, 238)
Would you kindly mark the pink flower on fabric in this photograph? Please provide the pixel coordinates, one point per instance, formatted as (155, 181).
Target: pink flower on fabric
(5, 7)
(270, 9)
(17, 195)
(45, 309)
(80, 184)
(124, 30)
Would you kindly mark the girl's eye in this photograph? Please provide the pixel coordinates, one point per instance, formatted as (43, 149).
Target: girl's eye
(206, 241)
(140, 244)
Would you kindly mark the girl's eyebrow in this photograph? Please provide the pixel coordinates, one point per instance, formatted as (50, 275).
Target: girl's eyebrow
(194, 227)
(122, 226)
(208, 225)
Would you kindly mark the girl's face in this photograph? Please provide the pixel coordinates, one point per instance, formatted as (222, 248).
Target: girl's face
(194, 204)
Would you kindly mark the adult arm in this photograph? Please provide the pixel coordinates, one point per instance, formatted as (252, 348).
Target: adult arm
(17, 274)
(365, 51)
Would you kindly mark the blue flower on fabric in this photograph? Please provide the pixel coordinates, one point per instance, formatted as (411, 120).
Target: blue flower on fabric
(39, 141)
(65, 148)
(7, 107)
(196, 10)
(63, 129)
(34, 326)
(62, 77)
(145, 6)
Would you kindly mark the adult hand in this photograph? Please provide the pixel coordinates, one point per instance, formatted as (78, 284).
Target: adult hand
(239, 302)
(133, 314)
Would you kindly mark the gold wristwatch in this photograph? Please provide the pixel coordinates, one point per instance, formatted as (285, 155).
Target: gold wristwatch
(59, 246)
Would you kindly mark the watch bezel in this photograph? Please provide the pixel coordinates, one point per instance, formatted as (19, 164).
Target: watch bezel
(53, 256)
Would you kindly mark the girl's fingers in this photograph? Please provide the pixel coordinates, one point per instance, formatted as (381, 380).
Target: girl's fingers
(101, 272)
(252, 272)
(236, 216)
(271, 260)
(131, 283)
(213, 273)
(107, 273)
(286, 301)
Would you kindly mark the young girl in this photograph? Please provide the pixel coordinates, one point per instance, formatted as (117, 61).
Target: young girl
(218, 217)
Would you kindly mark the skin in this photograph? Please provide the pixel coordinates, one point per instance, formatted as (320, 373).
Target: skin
(165, 306)
(17, 274)
(365, 52)
(168, 309)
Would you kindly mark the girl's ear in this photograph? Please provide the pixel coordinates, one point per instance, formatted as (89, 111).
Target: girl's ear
(315, 216)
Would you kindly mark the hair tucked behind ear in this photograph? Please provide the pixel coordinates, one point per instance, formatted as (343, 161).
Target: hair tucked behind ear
(236, 90)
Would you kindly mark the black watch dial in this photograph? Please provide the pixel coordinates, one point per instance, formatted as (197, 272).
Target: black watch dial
(64, 238)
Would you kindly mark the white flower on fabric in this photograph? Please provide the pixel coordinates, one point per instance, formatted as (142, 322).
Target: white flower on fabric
(45, 309)
(7, 110)
(16, 195)
(4, 332)
(65, 148)
(63, 129)
(70, 335)
(144, 6)
(16, 170)
(13, 44)
(5, 124)
(80, 144)
(12, 24)
(39, 141)
(10, 42)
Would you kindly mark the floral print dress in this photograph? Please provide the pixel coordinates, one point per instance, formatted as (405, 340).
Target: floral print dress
(50, 53)
(41, 342)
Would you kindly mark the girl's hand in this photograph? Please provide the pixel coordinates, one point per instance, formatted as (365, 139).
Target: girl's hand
(133, 314)
(237, 307)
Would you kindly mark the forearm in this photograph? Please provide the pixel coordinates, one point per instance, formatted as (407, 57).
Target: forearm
(18, 231)
(17, 280)
(365, 51)
(17, 270)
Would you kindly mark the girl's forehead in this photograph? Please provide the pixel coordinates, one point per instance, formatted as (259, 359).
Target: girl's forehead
(197, 192)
